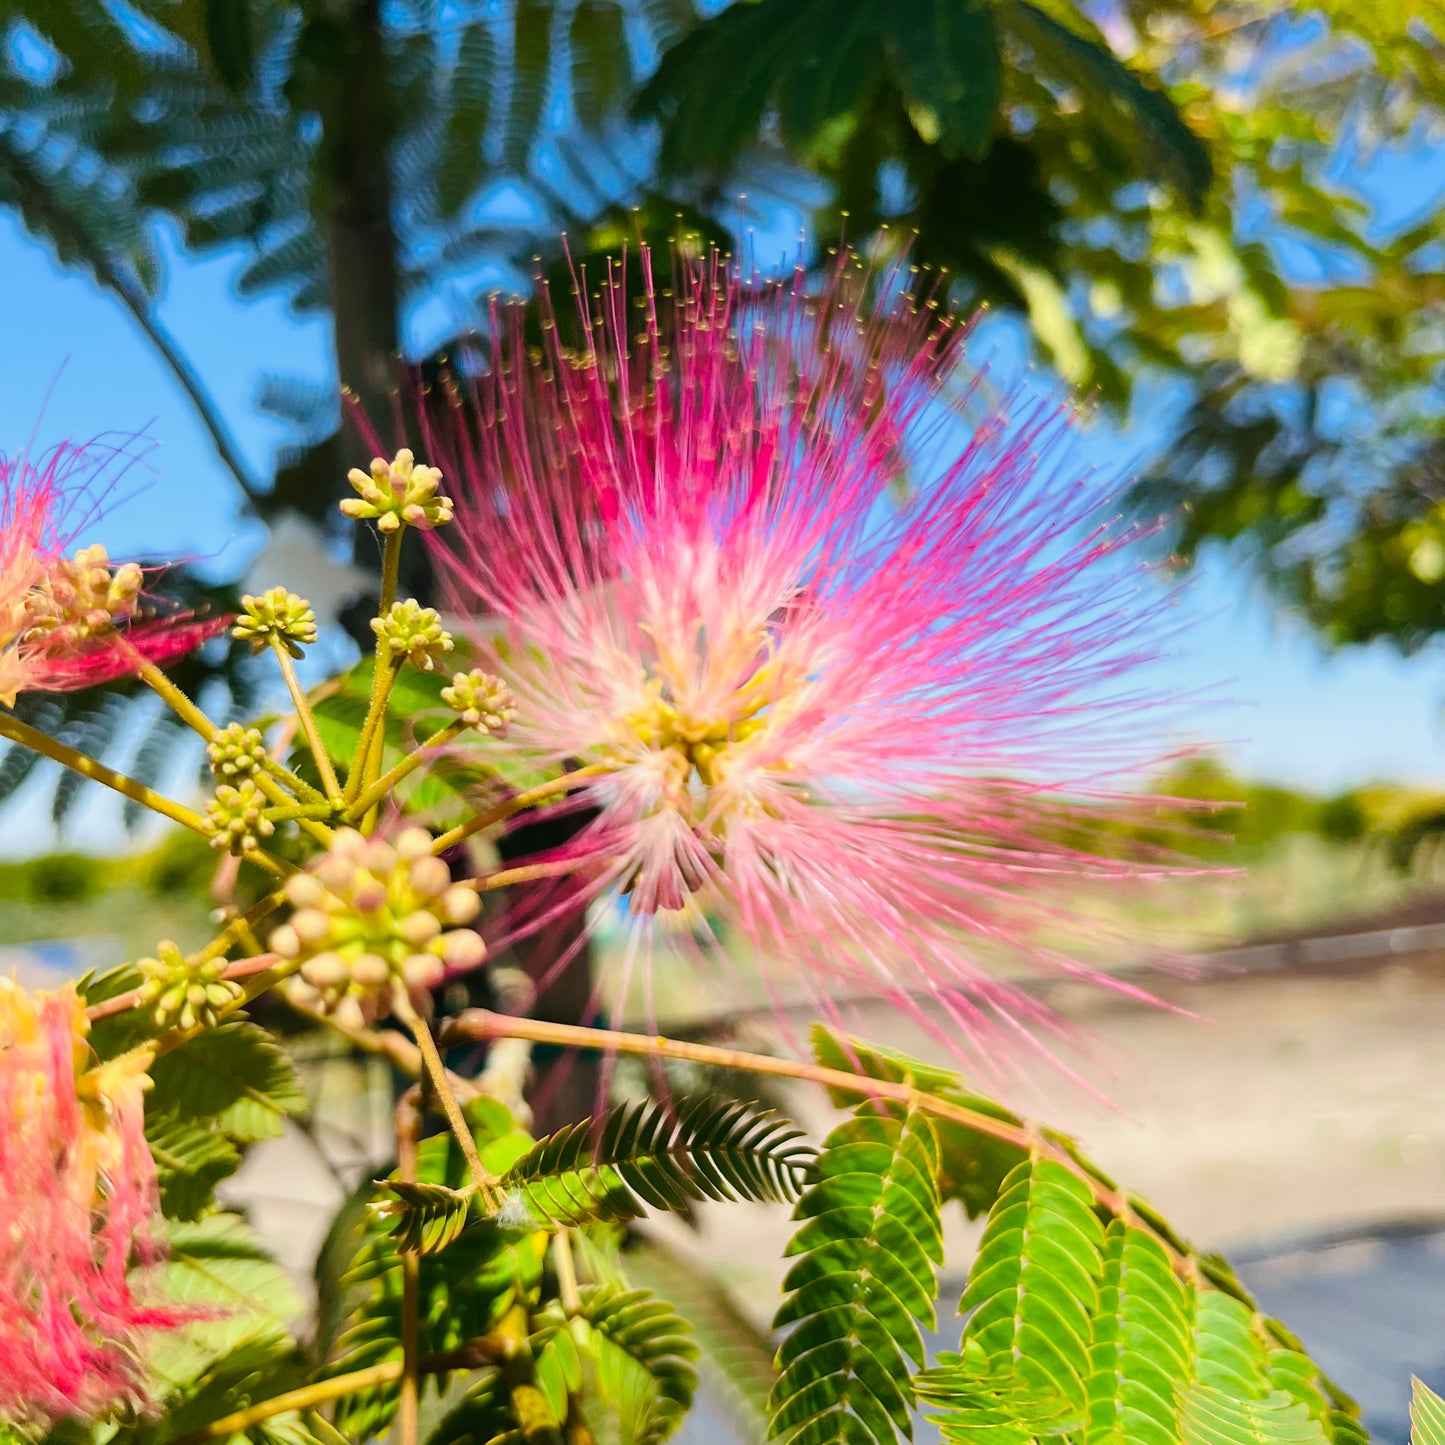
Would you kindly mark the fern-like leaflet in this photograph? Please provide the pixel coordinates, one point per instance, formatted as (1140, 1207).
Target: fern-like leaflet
(644, 1156)
(871, 1243)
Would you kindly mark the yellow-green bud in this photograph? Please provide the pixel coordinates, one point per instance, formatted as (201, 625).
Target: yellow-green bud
(372, 916)
(279, 614)
(237, 816)
(398, 493)
(236, 752)
(409, 630)
(182, 994)
(481, 700)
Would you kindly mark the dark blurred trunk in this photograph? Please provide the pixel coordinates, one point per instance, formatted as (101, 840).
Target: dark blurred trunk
(358, 130)
(362, 255)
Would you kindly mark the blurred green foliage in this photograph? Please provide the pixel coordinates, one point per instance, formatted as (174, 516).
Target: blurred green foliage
(1169, 190)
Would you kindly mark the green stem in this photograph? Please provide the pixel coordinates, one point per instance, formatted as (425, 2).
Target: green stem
(307, 719)
(298, 785)
(408, 1130)
(371, 748)
(21, 732)
(515, 804)
(527, 873)
(413, 760)
(299, 812)
(390, 569)
(383, 676)
(441, 1090)
(568, 1294)
(175, 699)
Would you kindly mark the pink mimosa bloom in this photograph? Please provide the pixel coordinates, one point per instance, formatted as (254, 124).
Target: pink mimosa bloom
(78, 1185)
(72, 621)
(840, 662)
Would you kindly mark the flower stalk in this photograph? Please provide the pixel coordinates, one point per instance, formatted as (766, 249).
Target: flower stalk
(307, 719)
(21, 732)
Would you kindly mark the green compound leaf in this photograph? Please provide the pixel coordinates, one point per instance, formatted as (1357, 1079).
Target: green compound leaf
(1141, 1343)
(1210, 1417)
(649, 1157)
(191, 1159)
(1229, 1346)
(871, 1243)
(972, 1165)
(1427, 1415)
(235, 1077)
(628, 1355)
(1034, 1287)
(424, 1218)
(985, 1406)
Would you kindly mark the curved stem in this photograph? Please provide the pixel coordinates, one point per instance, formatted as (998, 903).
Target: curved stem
(184, 373)
(528, 873)
(413, 760)
(482, 1025)
(298, 785)
(515, 804)
(26, 736)
(382, 677)
(175, 699)
(485, 1350)
(307, 720)
(390, 569)
(441, 1091)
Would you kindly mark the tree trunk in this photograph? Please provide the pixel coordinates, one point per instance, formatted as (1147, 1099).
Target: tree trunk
(357, 213)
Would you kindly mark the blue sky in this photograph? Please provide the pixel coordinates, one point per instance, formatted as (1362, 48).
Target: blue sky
(74, 364)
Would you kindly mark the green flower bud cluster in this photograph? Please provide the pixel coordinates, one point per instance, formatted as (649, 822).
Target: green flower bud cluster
(279, 614)
(236, 752)
(373, 915)
(481, 700)
(409, 630)
(398, 493)
(83, 597)
(237, 817)
(182, 994)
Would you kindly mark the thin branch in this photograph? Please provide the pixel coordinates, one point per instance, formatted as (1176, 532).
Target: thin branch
(515, 804)
(441, 1091)
(185, 373)
(482, 1025)
(26, 736)
(408, 1131)
(307, 720)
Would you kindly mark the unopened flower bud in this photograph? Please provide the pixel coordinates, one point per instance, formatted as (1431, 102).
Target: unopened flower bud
(236, 752)
(237, 817)
(481, 700)
(82, 597)
(183, 994)
(411, 631)
(276, 614)
(372, 915)
(398, 493)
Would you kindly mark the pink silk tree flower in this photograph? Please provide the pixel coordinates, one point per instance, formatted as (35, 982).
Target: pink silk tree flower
(72, 621)
(78, 1183)
(845, 665)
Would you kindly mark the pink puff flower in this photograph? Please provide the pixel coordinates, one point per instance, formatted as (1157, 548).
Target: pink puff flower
(78, 1185)
(72, 621)
(835, 660)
